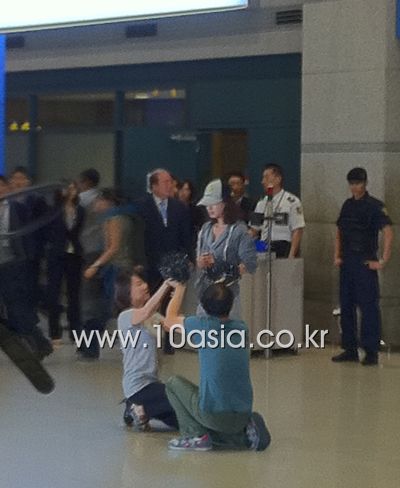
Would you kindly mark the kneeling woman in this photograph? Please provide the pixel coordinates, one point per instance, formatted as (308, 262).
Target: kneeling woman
(144, 393)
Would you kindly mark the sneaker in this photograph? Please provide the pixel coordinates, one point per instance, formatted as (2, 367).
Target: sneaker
(128, 417)
(346, 356)
(202, 443)
(86, 358)
(370, 359)
(135, 416)
(257, 433)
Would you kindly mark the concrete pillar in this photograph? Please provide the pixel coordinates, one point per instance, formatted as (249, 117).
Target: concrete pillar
(351, 117)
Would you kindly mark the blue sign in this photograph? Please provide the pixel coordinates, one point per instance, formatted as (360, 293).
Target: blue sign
(398, 19)
(2, 100)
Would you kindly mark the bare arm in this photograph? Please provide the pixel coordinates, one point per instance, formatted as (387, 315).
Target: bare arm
(297, 234)
(141, 314)
(337, 258)
(254, 232)
(113, 233)
(172, 316)
(387, 232)
(387, 243)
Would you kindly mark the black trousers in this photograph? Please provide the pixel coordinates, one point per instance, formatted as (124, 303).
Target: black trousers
(281, 248)
(155, 403)
(68, 266)
(17, 297)
(19, 305)
(359, 287)
(95, 305)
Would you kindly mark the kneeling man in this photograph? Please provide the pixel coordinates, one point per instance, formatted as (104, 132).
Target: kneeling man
(218, 413)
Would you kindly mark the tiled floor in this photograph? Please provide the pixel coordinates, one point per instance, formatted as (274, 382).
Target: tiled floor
(333, 425)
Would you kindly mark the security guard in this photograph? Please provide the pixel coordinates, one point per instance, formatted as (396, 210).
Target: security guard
(287, 214)
(356, 253)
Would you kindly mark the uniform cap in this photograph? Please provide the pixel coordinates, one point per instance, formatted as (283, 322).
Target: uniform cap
(357, 174)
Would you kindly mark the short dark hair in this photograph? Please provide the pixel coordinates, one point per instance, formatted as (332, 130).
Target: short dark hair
(91, 175)
(276, 169)
(122, 292)
(20, 169)
(357, 174)
(3, 179)
(111, 195)
(217, 300)
(191, 186)
(236, 174)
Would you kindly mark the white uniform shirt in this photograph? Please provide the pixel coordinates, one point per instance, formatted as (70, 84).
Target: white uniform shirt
(288, 216)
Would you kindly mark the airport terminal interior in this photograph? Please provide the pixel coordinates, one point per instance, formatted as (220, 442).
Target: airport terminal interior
(310, 85)
(330, 427)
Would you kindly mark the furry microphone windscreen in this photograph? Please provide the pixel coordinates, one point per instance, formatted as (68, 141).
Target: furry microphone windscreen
(175, 266)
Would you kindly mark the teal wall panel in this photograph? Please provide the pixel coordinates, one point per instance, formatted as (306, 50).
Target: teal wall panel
(246, 103)
(268, 109)
(148, 148)
(261, 95)
(279, 145)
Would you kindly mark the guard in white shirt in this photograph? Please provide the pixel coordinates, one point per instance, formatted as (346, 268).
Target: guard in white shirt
(286, 212)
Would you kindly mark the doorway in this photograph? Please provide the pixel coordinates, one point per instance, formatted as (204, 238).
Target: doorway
(228, 152)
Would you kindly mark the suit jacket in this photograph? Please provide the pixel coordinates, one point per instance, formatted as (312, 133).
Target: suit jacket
(247, 206)
(21, 246)
(58, 234)
(160, 239)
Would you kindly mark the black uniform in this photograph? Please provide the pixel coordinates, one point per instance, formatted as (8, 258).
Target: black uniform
(359, 223)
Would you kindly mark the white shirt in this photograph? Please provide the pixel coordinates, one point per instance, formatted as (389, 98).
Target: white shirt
(158, 201)
(5, 215)
(288, 216)
(86, 198)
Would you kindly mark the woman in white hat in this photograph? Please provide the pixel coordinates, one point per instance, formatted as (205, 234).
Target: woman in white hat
(224, 248)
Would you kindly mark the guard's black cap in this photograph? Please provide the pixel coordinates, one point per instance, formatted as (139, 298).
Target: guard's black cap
(357, 174)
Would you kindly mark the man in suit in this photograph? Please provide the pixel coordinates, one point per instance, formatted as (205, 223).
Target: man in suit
(167, 227)
(167, 223)
(36, 207)
(15, 292)
(236, 182)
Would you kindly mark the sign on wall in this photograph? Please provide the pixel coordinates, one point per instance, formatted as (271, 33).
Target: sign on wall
(398, 19)
(26, 15)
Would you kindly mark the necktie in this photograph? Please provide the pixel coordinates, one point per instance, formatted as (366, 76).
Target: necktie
(163, 211)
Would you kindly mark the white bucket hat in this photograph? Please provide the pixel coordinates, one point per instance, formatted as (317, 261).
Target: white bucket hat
(212, 194)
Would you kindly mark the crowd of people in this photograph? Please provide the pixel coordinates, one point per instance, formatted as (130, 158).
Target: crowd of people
(109, 250)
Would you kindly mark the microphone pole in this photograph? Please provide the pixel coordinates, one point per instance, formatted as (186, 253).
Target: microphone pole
(269, 217)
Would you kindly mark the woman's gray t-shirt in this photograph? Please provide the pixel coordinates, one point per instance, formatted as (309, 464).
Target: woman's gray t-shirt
(139, 355)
